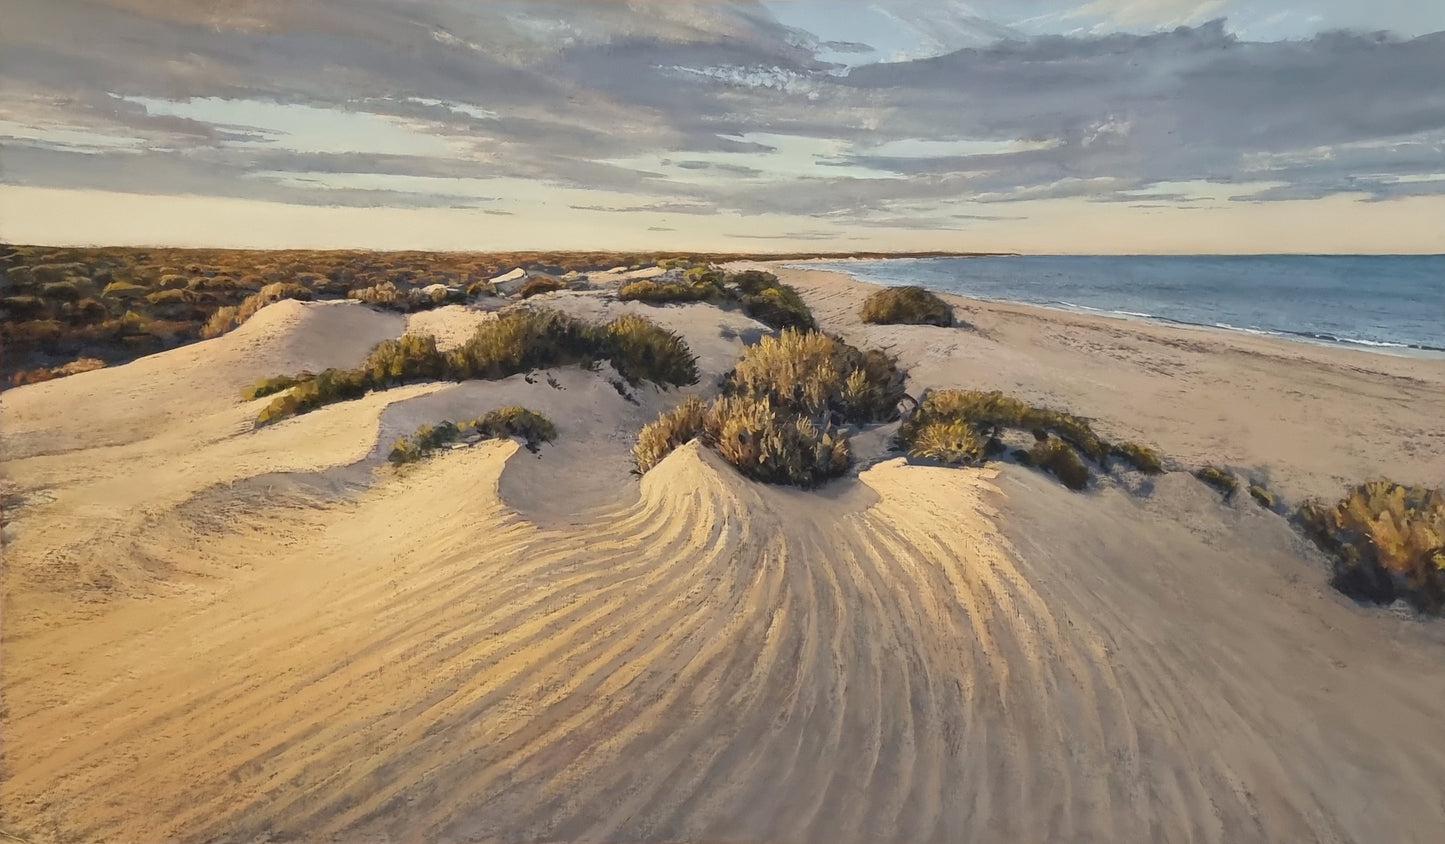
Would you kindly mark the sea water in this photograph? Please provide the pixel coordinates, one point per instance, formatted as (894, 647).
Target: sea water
(1386, 303)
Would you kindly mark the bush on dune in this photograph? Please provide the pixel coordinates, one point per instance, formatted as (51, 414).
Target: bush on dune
(906, 306)
(760, 295)
(811, 374)
(673, 429)
(531, 427)
(775, 446)
(1141, 457)
(1219, 479)
(658, 293)
(991, 412)
(272, 386)
(1387, 541)
(1059, 459)
(230, 317)
(515, 342)
(777, 419)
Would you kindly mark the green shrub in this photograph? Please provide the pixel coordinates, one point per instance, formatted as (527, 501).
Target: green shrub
(1059, 459)
(514, 421)
(1387, 541)
(541, 284)
(811, 374)
(672, 429)
(641, 351)
(906, 306)
(654, 292)
(1262, 496)
(515, 342)
(1141, 457)
(412, 358)
(779, 307)
(270, 386)
(1219, 479)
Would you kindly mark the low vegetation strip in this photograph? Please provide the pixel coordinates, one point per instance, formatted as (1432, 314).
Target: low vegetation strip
(517, 341)
(759, 294)
(530, 427)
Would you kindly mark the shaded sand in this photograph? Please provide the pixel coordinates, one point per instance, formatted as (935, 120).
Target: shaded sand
(219, 634)
(1307, 418)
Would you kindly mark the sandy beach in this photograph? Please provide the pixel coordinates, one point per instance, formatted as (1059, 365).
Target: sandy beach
(215, 633)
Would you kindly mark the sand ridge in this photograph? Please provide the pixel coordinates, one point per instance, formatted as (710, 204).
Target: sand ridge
(485, 648)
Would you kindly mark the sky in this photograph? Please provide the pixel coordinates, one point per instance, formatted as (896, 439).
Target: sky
(1041, 126)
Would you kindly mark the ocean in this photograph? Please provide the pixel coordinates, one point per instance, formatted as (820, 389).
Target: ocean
(1392, 303)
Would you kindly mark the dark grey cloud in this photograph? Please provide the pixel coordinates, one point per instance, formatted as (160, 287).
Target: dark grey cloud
(683, 106)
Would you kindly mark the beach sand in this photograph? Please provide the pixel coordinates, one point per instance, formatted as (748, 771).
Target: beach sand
(212, 633)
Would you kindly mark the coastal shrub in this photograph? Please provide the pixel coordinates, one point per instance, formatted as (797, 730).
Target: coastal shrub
(821, 377)
(775, 447)
(951, 442)
(906, 306)
(1059, 459)
(642, 350)
(1262, 496)
(124, 290)
(672, 429)
(1386, 540)
(1141, 457)
(1219, 479)
(656, 293)
(515, 342)
(778, 307)
(514, 421)
(541, 284)
(992, 412)
(531, 427)
(271, 386)
(413, 357)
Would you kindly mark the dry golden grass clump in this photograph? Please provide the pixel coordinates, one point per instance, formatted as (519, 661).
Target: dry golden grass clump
(517, 341)
(1218, 478)
(775, 446)
(1141, 457)
(811, 374)
(527, 425)
(761, 441)
(1387, 541)
(673, 429)
(906, 306)
(777, 420)
(951, 442)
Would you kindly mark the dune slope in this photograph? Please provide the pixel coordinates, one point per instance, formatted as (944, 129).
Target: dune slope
(917, 654)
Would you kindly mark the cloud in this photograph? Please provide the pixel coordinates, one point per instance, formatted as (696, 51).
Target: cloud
(700, 108)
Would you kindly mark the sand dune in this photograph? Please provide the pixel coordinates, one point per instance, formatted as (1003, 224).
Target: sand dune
(293, 644)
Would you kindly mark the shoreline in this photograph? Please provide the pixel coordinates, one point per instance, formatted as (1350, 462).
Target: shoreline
(1413, 351)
